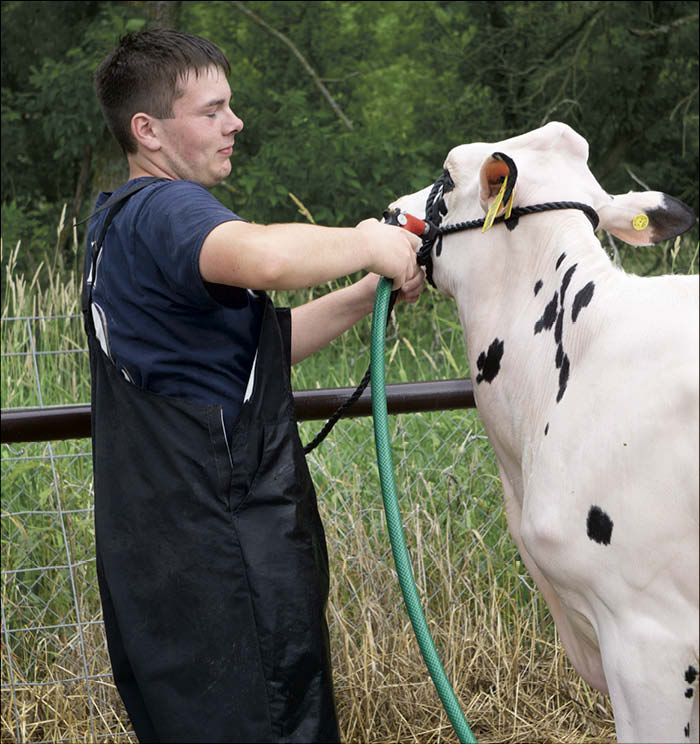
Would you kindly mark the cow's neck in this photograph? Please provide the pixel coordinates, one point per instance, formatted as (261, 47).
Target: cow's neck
(507, 291)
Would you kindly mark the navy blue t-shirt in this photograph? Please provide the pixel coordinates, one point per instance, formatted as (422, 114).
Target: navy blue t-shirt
(165, 329)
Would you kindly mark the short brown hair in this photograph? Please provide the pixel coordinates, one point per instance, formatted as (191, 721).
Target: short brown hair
(144, 74)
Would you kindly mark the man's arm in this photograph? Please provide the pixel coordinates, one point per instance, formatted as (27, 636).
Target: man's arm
(294, 256)
(320, 321)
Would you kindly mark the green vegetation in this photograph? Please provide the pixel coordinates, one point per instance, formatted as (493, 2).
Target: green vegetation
(412, 79)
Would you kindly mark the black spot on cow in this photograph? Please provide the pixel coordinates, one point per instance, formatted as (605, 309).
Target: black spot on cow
(691, 674)
(563, 377)
(549, 315)
(559, 327)
(686, 730)
(553, 317)
(689, 692)
(582, 299)
(489, 363)
(565, 282)
(546, 430)
(559, 357)
(599, 526)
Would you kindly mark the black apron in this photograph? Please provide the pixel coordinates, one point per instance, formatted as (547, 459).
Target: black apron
(211, 560)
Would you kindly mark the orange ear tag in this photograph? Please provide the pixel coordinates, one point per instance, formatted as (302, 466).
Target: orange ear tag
(495, 206)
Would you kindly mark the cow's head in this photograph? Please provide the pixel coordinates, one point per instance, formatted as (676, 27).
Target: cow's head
(551, 165)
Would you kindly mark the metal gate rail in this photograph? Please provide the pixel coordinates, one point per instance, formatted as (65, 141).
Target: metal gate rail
(73, 422)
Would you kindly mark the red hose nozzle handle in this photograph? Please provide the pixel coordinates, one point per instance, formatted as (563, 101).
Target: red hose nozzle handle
(412, 224)
(407, 221)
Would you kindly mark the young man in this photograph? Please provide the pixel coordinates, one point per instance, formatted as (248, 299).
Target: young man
(211, 556)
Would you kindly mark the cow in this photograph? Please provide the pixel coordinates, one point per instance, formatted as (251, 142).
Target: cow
(586, 381)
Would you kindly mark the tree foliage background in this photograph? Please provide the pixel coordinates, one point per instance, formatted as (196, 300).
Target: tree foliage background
(404, 82)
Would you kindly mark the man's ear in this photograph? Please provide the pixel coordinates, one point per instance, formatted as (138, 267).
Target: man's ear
(144, 132)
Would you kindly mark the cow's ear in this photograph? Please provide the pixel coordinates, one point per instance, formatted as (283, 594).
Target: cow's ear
(643, 218)
(498, 169)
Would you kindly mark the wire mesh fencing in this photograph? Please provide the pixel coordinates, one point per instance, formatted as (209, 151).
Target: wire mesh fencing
(56, 678)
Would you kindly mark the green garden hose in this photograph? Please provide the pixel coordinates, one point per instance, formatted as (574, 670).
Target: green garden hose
(393, 518)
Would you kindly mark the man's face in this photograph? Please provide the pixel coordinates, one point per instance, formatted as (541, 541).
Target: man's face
(197, 143)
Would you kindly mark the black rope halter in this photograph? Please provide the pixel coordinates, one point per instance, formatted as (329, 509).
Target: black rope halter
(436, 209)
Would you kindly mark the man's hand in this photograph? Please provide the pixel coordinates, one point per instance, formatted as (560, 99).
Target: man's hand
(393, 253)
(412, 288)
(409, 291)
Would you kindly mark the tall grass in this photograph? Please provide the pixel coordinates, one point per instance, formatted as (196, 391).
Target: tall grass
(493, 631)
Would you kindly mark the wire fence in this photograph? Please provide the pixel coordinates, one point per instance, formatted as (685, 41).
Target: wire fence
(55, 665)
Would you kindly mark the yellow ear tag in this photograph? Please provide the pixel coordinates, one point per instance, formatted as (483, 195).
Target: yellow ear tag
(495, 206)
(510, 204)
(640, 222)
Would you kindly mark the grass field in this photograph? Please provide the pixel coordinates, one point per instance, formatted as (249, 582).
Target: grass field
(493, 632)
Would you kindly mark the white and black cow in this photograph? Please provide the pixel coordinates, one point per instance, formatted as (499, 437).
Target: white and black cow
(586, 379)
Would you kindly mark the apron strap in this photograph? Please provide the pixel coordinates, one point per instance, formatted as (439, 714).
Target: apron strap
(113, 204)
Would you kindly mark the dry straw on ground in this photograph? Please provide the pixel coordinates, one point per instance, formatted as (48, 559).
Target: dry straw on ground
(505, 663)
(507, 667)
